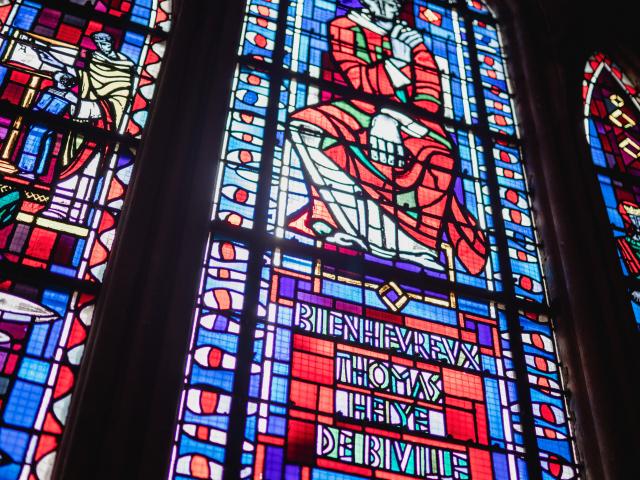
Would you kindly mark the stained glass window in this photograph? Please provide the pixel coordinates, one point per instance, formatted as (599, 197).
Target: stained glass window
(612, 113)
(372, 303)
(76, 81)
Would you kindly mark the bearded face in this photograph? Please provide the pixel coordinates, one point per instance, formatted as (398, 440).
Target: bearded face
(383, 9)
(104, 42)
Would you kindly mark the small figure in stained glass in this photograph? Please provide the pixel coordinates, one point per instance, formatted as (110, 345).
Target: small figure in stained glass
(104, 94)
(383, 178)
(629, 245)
(37, 152)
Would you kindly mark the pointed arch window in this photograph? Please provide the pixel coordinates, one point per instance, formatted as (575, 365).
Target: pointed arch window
(76, 82)
(372, 302)
(612, 113)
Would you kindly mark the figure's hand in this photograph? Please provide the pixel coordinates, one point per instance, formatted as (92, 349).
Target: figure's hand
(49, 59)
(385, 141)
(411, 37)
(406, 123)
(401, 51)
(403, 40)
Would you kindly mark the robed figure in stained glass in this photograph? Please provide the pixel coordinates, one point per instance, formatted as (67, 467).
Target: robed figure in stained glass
(37, 152)
(105, 91)
(629, 245)
(383, 178)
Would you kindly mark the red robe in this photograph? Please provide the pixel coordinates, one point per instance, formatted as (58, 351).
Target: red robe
(428, 176)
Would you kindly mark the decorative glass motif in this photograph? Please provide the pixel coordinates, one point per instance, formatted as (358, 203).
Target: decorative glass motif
(76, 81)
(372, 303)
(611, 114)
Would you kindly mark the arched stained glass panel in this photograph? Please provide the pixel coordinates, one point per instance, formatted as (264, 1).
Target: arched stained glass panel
(372, 303)
(612, 113)
(76, 81)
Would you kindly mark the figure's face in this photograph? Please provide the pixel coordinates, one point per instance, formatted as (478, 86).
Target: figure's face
(384, 9)
(104, 44)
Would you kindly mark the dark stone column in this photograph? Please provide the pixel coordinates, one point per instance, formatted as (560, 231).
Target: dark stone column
(121, 422)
